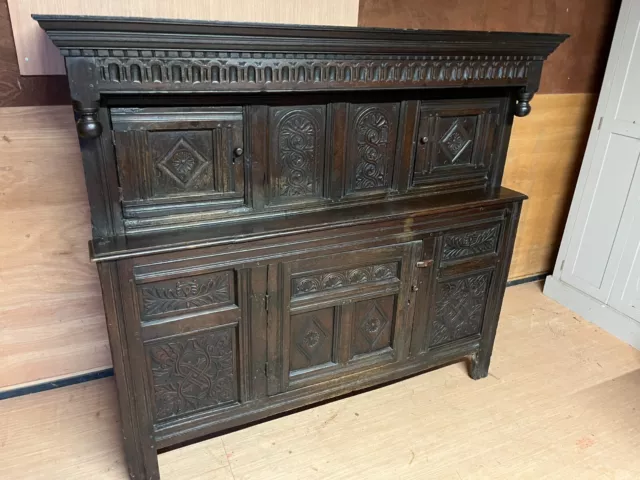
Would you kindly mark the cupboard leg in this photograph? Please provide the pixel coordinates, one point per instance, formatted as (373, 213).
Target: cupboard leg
(479, 365)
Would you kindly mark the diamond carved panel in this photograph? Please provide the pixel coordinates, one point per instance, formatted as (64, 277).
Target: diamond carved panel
(455, 144)
(183, 162)
(373, 324)
(311, 339)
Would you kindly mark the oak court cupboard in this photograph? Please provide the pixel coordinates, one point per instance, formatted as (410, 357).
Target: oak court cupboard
(285, 214)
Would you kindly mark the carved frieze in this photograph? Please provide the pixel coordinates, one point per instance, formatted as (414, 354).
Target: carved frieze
(186, 294)
(467, 244)
(343, 278)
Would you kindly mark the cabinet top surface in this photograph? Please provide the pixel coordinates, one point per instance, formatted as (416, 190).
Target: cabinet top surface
(123, 32)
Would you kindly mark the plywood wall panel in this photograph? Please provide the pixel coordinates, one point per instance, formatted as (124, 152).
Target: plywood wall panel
(38, 56)
(543, 161)
(16, 91)
(51, 316)
(576, 67)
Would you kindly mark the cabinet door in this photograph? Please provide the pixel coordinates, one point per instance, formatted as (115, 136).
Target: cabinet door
(194, 333)
(174, 161)
(338, 313)
(454, 292)
(457, 141)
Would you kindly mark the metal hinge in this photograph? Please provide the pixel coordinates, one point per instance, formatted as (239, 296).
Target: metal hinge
(113, 138)
(266, 302)
(266, 369)
(600, 123)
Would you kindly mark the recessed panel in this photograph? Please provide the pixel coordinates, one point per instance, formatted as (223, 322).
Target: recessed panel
(193, 372)
(296, 153)
(373, 325)
(312, 339)
(460, 306)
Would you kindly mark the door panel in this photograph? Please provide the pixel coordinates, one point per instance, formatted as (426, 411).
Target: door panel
(339, 313)
(456, 141)
(592, 260)
(179, 160)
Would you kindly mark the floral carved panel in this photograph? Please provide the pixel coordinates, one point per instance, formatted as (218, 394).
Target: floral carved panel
(372, 145)
(460, 306)
(296, 159)
(193, 293)
(467, 244)
(319, 282)
(193, 372)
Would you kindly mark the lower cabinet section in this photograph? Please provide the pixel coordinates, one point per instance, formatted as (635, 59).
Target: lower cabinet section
(221, 336)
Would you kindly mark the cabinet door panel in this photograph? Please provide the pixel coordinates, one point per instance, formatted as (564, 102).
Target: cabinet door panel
(196, 338)
(339, 313)
(456, 141)
(178, 160)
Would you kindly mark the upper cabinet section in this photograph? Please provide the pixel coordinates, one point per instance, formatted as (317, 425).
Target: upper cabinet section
(186, 124)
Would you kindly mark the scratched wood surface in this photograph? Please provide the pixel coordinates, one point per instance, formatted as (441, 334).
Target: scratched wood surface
(560, 402)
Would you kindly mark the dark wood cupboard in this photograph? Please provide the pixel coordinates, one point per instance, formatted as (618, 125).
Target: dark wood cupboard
(283, 215)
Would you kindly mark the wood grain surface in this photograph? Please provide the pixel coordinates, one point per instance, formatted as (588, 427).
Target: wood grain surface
(18, 91)
(543, 161)
(576, 67)
(50, 303)
(44, 59)
(560, 403)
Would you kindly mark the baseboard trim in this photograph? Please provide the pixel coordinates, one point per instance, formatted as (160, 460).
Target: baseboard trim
(64, 382)
(533, 278)
(108, 372)
(617, 324)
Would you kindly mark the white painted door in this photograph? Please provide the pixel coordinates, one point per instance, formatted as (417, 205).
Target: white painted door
(605, 234)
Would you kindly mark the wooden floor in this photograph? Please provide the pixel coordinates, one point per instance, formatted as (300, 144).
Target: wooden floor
(562, 401)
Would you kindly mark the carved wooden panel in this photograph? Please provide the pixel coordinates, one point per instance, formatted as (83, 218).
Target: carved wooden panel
(172, 161)
(182, 162)
(312, 339)
(371, 146)
(373, 325)
(456, 141)
(296, 153)
(459, 245)
(193, 372)
(460, 305)
(318, 282)
(187, 294)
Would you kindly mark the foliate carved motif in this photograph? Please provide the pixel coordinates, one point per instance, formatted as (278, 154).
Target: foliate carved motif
(455, 141)
(186, 294)
(372, 136)
(460, 308)
(455, 144)
(193, 373)
(297, 138)
(183, 164)
(343, 278)
(147, 69)
(466, 244)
